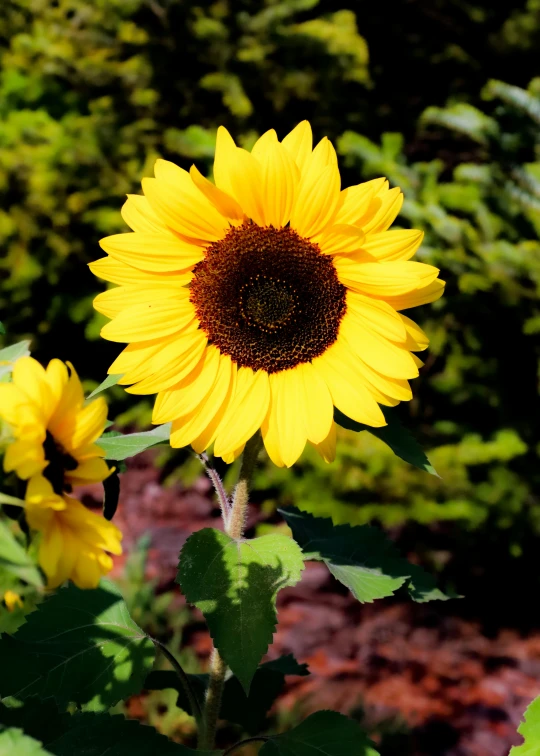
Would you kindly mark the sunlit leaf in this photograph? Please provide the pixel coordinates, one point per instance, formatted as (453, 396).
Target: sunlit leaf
(234, 584)
(360, 557)
(80, 646)
(118, 447)
(530, 730)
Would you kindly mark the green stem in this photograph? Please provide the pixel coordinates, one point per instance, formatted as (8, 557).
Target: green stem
(234, 526)
(184, 680)
(13, 500)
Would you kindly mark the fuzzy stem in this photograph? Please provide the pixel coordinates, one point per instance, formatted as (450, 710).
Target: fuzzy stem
(219, 488)
(234, 526)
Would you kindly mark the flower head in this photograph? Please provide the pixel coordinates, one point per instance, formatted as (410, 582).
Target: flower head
(266, 299)
(73, 540)
(53, 431)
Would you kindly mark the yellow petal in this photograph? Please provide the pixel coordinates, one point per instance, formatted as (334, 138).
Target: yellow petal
(317, 196)
(110, 269)
(19, 412)
(338, 368)
(280, 177)
(186, 395)
(383, 355)
(289, 414)
(327, 448)
(30, 377)
(149, 321)
(25, 457)
(299, 143)
(113, 301)
(264, 143)
(39, 492)
(163, 371)
(391, 204)
(92, 470)
(160, 253)
(224, 160)
(384, 279)
(317, 403)
(245, 413)
(190, 426)
(417, 297)
(51, 554)
(89, 424)
(184, 208)
(417, 340)
(57, 377)
(339, 239)
(139, 216)
(392, 246)
(246, 182)
(377, 315)
(227, 206)
(355, 201)
(62, 422)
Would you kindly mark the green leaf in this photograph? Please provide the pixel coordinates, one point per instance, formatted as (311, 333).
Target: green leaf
(14, 558)
(41, 720)
(2, 329)
(234, 584)
(530, 729)
(394, 435)
(246, 710)
(122, 447)
(111, 494)
(100, 734)
(325, 733)
(14, 742)
(360, 557)
(79, 646)
(10, 354)
(110, 380)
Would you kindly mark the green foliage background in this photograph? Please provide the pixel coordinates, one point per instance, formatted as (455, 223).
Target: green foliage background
(92, 93)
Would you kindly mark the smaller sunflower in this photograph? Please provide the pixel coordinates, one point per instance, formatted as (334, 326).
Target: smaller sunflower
(73, 540)
(53, 430)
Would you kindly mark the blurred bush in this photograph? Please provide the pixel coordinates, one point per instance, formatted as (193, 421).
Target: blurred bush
(92, 93)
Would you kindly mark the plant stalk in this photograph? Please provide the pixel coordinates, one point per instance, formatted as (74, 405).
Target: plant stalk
(234, 526)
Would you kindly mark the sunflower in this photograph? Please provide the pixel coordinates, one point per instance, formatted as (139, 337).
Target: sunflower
(53, 430)
(73, 540)
(266, 299)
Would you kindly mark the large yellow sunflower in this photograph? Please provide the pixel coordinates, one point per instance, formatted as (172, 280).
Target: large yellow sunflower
(53, 430)
(265, 299)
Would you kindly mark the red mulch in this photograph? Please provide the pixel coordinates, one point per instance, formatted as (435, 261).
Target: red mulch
(457, 691)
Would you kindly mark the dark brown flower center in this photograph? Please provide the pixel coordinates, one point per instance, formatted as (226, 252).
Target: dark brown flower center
(59, 462)
(268, 298)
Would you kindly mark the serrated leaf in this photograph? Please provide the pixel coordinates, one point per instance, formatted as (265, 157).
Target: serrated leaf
(13, 742)
(394, 435)
(79, 646)
(110, 380)
(246, 710)
(10, 354)
(360, 557)
(325, 733)
(14, 558)
(100, 734)
(234, 584)
(111, 494)
(117, 447)
(530, 730)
